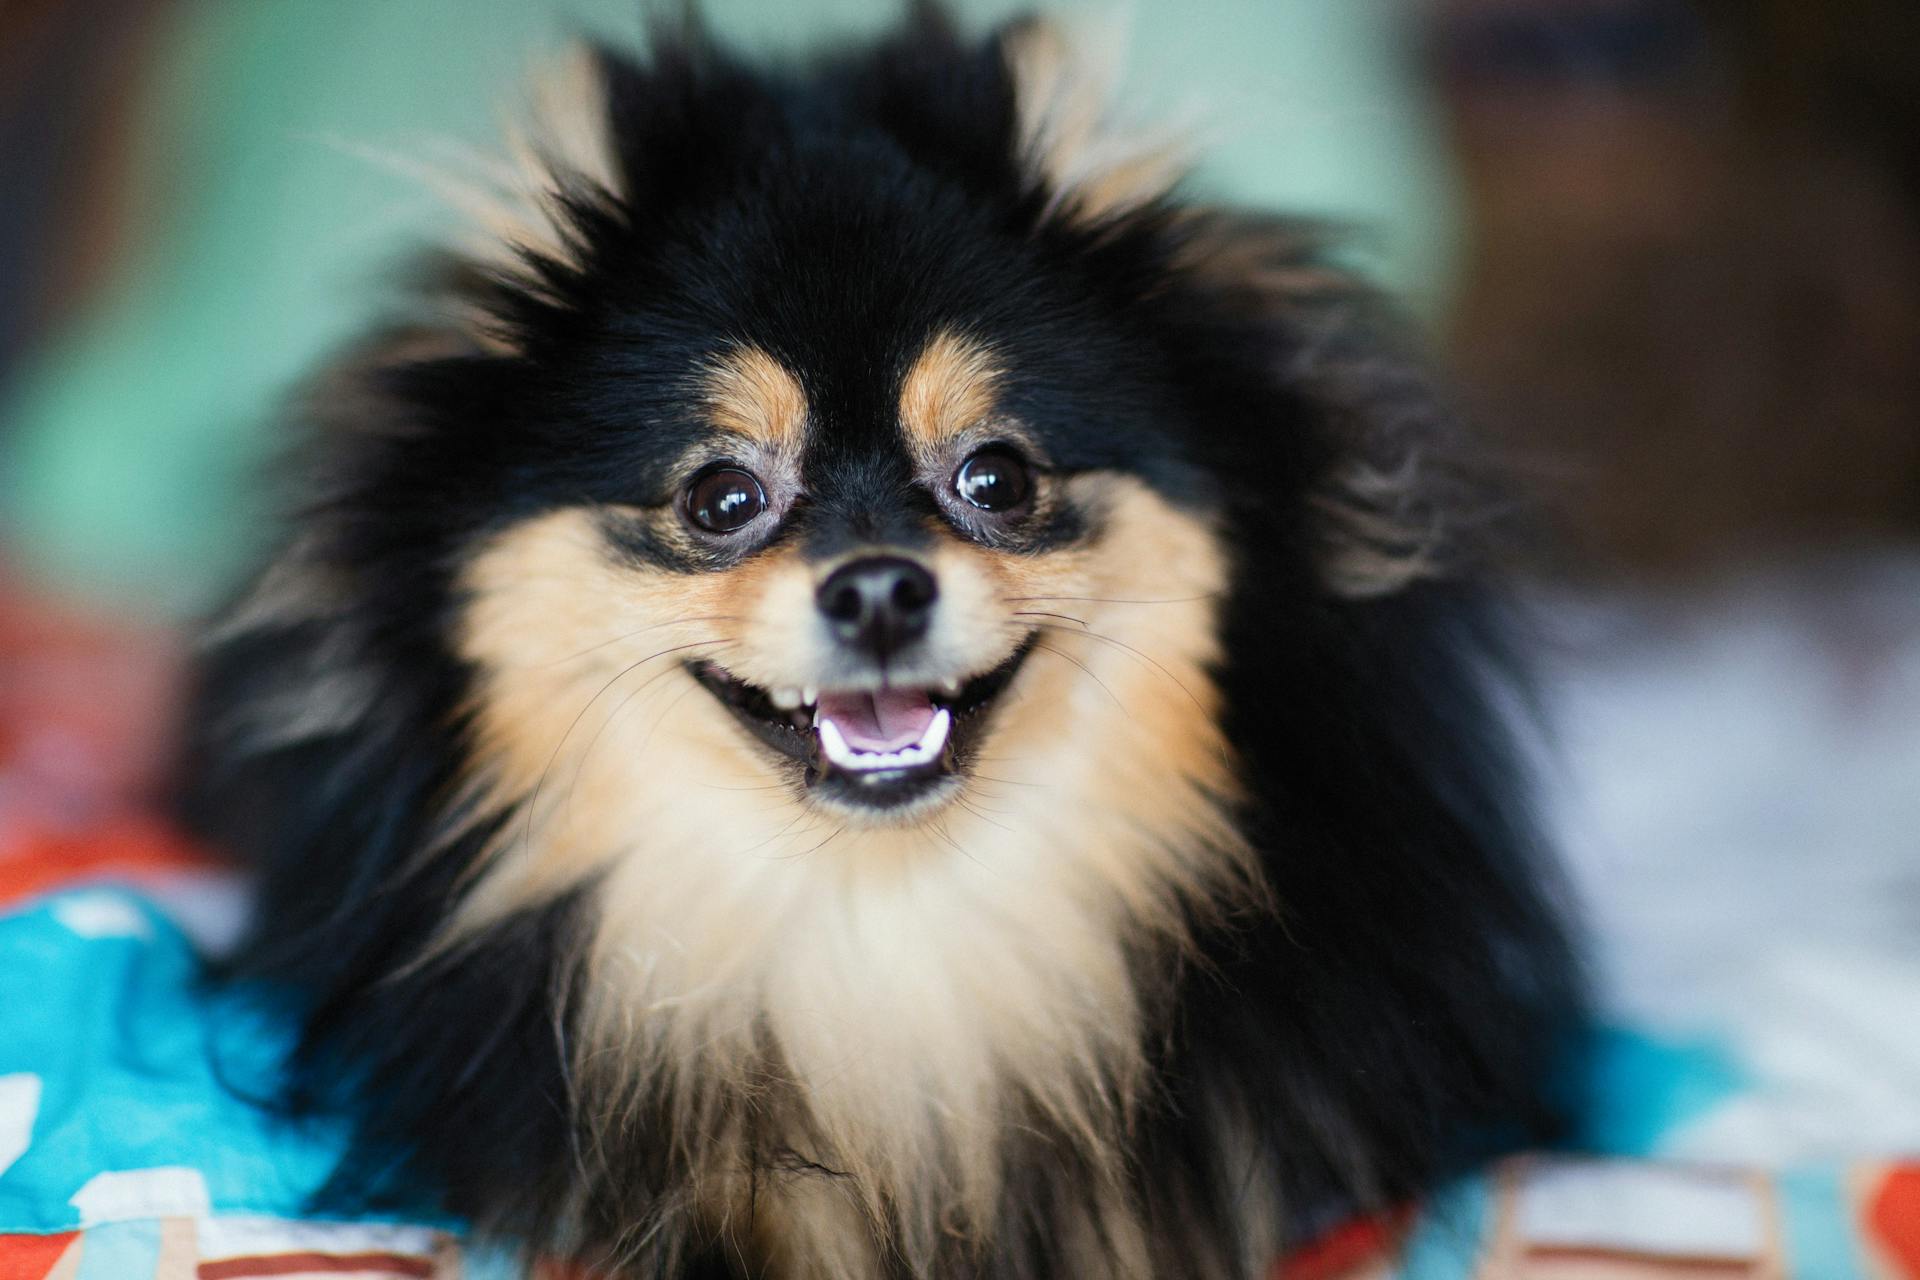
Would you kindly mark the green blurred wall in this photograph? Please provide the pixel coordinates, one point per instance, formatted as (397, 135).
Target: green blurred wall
(132, 443)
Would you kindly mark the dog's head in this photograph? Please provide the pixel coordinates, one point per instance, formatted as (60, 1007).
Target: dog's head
(791, 457)
(876, 510)
(836, 560)
(844, 424)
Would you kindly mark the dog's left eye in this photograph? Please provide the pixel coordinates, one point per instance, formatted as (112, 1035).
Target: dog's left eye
(725, 499)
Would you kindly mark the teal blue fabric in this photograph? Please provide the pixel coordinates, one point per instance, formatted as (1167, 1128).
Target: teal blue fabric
(1634, 1089)
(1446, 1241)
(120, 1250)
(1816, 1224)
(267, 235)
(139, 1068)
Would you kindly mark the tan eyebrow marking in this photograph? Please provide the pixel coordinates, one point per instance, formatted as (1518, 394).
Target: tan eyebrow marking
(753, 394)
(953, 383)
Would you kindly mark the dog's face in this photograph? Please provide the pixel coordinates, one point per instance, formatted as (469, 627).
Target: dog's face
(872, 553)
(882, 565)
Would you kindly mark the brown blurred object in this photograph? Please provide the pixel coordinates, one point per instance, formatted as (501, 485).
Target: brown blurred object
(1691, 306)
(69, 85)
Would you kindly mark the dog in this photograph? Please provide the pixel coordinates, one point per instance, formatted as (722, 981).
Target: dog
(859, 688)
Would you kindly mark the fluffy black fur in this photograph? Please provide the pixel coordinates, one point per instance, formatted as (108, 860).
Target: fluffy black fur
(1400, 1012)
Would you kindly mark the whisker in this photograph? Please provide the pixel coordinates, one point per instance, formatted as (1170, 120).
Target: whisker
(612, 715)
(1091, 634)
(980, 814)
(1035, 613)
(939, 829)
(655, 626)
(784, 827)
(533, 800)
(813, 819)
(974, 794)
(838, 832)
(664, 713)
(1067, 657)
(997, 757)
(1204, 595)
(566, 804)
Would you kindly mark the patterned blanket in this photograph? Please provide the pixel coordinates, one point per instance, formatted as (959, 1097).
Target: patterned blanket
(132, 1146)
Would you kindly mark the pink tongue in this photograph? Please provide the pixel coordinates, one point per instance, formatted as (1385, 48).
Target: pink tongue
(885, 720)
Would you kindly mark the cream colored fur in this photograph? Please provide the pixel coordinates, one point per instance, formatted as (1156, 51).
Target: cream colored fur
(921, 988)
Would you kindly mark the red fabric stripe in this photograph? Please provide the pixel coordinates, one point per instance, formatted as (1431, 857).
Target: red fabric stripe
(32, 1257)
(1893, 1216)
(33, 863)
(1660, 1264)
(1345, 1249)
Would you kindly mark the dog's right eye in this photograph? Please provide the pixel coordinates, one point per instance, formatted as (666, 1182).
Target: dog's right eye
(724, 499)
(993, 479)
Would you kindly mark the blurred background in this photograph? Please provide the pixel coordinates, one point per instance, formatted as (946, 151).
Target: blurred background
(1668, 249)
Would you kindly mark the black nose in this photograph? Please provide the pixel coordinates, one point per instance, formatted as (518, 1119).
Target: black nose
(879, 603)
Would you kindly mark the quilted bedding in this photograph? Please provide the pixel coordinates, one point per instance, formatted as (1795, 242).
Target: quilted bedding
(132, 1147)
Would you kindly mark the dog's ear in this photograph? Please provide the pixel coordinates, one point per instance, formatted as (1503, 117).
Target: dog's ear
(1400, 497)
(599, 147)
(1402, 493)
(1090, 167)
(524, 214)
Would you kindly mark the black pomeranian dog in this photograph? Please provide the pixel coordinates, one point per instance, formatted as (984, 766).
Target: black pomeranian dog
(865, 691)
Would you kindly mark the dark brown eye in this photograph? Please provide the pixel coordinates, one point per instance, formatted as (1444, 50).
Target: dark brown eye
(994, 479)
(725, 499)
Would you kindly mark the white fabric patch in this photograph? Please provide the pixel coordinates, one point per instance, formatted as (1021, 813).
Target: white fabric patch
(252, 1237)
(101, 915)
(19, 1108)
(1664, 1211)
(168, 1192)
(210, 907)
(1731, 777)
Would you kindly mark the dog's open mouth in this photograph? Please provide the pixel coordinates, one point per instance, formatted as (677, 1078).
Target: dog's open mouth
(878, 748)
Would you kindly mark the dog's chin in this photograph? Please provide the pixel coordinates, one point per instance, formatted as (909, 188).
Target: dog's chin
(886, 755)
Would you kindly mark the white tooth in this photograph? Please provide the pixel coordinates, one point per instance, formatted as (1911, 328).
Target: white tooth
(810, 695)
(787, 699)
(934, 736)
(834, 743)
(950, 685)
